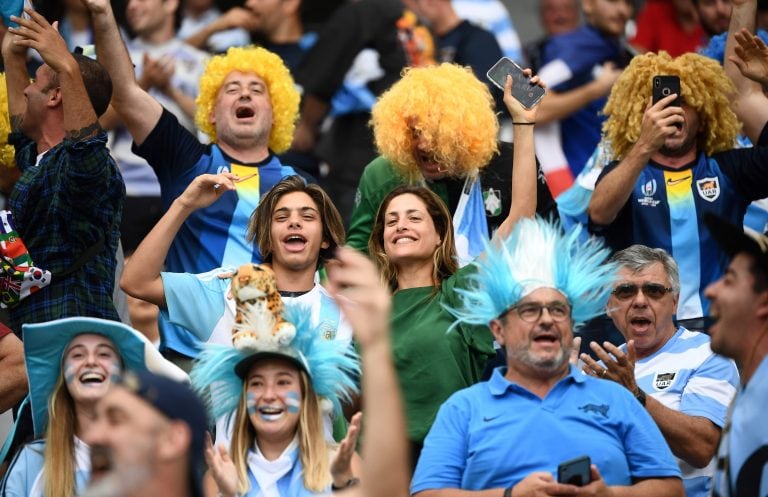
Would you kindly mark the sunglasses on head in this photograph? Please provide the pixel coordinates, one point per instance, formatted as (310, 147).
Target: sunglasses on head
(653, 291)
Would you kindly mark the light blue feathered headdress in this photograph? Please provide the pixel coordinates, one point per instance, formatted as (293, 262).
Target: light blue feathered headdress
(538, 255)
(332, 365)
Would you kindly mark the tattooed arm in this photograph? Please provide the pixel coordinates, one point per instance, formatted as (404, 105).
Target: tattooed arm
(79, 118)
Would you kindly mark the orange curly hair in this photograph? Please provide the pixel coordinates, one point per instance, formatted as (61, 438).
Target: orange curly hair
(449, 107)
(703, 85)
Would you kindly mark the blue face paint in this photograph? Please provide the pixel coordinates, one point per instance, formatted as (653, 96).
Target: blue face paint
(69, 374)
(115, 373)
(250, 402)
(292, 402)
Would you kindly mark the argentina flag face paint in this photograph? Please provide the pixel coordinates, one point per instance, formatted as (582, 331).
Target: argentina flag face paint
(273, 397)
(293, 402)
(90, 365)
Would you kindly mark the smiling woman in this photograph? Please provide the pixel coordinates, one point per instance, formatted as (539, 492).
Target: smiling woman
(279, 386)
(412, 241)
(71, 364)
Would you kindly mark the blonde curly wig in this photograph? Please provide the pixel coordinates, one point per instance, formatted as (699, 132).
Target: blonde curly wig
(270, 68)
(6, 151)
(449, 108)
(703, 85)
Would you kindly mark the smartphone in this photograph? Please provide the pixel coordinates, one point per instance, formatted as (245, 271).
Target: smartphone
(522, 89)
(664, 86)
(574, 471)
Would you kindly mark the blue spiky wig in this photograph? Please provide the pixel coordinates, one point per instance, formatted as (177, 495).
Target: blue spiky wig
(538, 255)
(331, 365)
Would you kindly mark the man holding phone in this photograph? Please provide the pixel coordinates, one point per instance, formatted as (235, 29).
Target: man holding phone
(674, 163)
(507, 436)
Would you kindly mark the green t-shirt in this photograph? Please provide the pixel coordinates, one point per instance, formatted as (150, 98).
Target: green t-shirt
(433, 363)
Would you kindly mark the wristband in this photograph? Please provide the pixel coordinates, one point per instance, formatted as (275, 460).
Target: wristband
(524, 124)
(640, 396)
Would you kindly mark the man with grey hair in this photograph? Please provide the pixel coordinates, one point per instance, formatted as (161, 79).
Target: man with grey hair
(672, 371)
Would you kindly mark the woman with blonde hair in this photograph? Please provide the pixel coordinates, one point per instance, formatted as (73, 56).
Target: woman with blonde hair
(413, 244)
(71, 364)
(278, 383)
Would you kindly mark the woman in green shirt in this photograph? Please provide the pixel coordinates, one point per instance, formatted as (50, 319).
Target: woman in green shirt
(413, 243)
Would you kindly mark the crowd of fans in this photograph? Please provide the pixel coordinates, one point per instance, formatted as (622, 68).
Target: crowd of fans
(285, 248)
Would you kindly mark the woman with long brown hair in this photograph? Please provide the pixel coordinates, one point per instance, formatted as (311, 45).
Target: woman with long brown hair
(412, 242)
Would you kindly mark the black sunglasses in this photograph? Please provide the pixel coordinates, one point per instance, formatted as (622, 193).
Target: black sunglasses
(654, 291)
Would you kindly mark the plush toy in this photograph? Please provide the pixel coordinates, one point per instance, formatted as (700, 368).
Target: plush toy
(259, 321)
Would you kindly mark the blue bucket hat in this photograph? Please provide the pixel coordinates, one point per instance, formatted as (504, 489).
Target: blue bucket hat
(45, 343)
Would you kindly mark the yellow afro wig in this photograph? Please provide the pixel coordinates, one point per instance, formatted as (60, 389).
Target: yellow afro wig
(270, 68)
(449, 108)
(6, 151)
(703, 85)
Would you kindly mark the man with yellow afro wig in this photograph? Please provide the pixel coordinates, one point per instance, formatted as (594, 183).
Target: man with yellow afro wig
(674, 163)
(247, 104)
(437, 126)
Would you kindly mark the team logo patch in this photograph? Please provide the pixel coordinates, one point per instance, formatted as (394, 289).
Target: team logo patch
(601, 409)
(492, 201)
(709, 188)
(328, 330)
(662, 381)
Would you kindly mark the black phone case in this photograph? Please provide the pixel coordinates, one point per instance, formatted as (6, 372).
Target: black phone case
(574, 471)
(525, 93)
(666, 85)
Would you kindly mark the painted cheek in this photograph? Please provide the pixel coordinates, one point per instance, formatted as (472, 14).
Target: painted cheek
(69, 373)
(115, 373)
(250, 402)
(292, 402)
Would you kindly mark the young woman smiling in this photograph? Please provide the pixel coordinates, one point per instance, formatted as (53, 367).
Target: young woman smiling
(71, 364)
(412, 242)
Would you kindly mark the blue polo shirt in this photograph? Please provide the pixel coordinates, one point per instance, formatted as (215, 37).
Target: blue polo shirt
(495, 433)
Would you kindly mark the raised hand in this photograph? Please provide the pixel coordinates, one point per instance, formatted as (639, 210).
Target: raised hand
(206, 189)
(239, 17)
(221, 466)
(751, 56)
(96, 6)
(617, 366)
(363, 298)
(157, 73)
(37, 33)
(659, 122)
(519, 113)
(341, 467)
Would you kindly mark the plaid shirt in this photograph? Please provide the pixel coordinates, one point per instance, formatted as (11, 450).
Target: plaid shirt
(62, 206)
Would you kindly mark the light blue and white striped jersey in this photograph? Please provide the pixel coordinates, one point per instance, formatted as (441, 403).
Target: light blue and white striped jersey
(25, 476)
(685, 375)
(201, 304)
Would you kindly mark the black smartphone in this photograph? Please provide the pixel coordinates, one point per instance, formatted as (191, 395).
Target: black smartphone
(574, 471)
(664, 86)
(522, 89)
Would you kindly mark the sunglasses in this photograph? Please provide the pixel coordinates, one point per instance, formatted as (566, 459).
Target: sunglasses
(654, 291)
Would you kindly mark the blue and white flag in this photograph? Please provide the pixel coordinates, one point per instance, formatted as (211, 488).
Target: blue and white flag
(470, 226)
